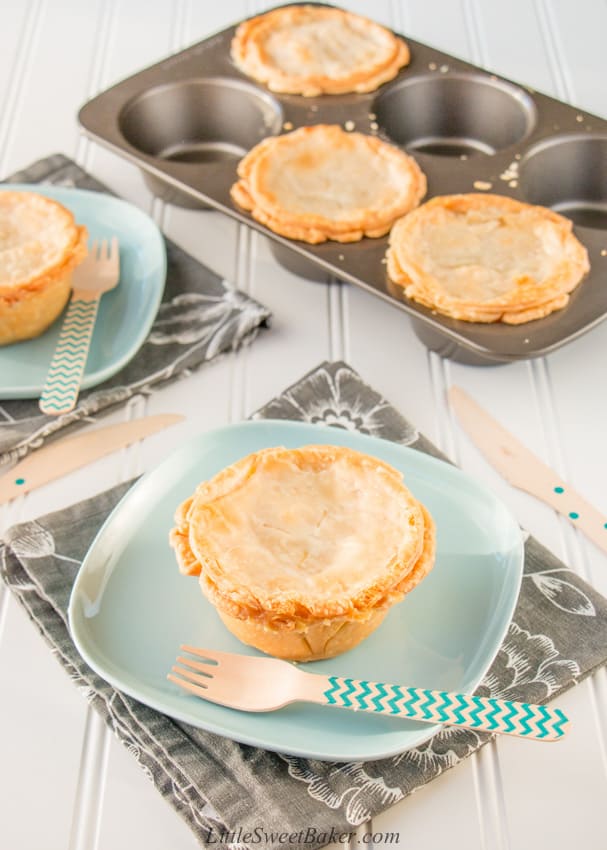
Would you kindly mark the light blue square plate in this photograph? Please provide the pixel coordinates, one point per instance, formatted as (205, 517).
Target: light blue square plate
(130, 608)
(125, 314)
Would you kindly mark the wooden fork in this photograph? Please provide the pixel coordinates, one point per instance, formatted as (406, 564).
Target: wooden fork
(252, 683)
(99, 273)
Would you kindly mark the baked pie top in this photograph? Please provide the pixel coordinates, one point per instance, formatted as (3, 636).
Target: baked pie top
(321, 182)
(312, 50)
(39, 242)
(485, 257)
(304, 535)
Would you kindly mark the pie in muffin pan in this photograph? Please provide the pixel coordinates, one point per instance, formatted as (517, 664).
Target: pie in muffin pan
(486, 258)
(321, 182)
(314, 50)
(303, 551)
(40, 245)
(204, 125)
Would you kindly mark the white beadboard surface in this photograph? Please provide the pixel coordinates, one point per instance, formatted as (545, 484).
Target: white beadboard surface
(65, 783)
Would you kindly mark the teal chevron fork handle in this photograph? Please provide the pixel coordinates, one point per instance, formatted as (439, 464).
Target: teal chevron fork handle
(97, 273)
(472, 712)
(62, 385)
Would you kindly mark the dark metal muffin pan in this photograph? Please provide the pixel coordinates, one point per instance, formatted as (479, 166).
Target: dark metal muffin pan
(187, 121)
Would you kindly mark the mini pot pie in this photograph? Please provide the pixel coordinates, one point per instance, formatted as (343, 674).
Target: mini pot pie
(313, 50)
(486, 258)
(321, 182)
(40, 244)
(303, 551)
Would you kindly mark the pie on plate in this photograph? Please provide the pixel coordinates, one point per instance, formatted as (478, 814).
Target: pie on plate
(312, 50)
(303, 551)
(40, 245)
(321, 182)
(486, 258)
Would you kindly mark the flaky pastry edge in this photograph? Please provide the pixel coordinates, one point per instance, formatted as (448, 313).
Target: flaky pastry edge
(73, 254)
(525, 302)
(290, 611)
(249, 56)
(248, 193)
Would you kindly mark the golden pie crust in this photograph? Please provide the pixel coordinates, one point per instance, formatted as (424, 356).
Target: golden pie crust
(321, 182)
(311, 50)
(40, 245)
(303, 551)
(486, 258)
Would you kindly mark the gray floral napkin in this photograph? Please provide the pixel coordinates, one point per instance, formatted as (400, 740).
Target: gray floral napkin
(226, 790)
(200, 317)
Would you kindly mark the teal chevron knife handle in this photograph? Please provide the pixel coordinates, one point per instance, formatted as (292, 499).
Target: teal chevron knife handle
(62, 385)
(484, 715)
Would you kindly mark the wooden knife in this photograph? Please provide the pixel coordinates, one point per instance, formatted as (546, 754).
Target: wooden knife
(518, 465)
(60, 458)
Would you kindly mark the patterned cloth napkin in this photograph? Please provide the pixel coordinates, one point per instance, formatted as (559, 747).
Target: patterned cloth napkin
(225, 790)
(200, 317)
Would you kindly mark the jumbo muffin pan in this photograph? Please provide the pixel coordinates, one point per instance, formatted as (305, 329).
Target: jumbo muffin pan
(188, 120)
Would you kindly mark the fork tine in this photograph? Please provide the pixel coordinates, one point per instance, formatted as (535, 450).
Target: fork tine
(197, 678)
(189, 686)
(212, 656)
(114, 252)
(103, 250)
(196, 665)
(93, 250)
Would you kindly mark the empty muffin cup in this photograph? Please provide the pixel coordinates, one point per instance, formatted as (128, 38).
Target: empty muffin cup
(569, 174)
(198, 123)
(455, 114)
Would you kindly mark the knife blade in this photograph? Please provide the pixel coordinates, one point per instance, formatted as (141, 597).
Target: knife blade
(519, 466)
(60, 458)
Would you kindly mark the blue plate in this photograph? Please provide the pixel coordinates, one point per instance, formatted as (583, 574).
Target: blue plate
(125, 314)
(131, 608)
